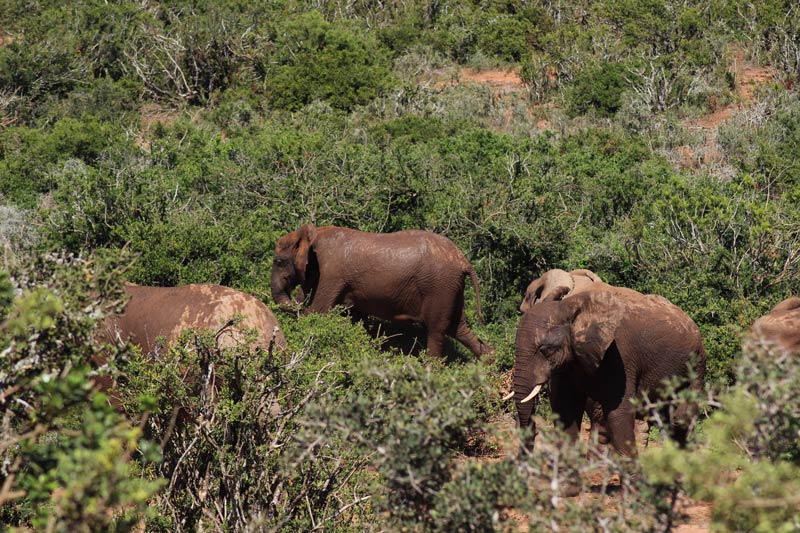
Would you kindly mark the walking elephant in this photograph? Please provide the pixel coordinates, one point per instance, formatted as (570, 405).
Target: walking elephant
(153, 312)
(780, 327)
(414, 276)
(609, 345)
(557, 284)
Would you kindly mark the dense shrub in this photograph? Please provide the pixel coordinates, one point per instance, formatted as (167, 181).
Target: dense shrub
(754, 433)
(71, 462)
(506, 38)
(314, 59)
(599, 88)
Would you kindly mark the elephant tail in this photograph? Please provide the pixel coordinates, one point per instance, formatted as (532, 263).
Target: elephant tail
(474, 278)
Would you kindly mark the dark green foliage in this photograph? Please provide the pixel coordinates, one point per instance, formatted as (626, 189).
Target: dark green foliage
(317, 60)
(506, 38)
(597, 88)
(29, 156)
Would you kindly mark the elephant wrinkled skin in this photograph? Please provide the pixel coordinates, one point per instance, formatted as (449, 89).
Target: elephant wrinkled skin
(609, 345)
(780, 328)
(153, 312)
(407, 276)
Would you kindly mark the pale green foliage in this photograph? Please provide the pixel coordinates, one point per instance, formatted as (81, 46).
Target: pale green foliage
(68, 456)
(746, 464)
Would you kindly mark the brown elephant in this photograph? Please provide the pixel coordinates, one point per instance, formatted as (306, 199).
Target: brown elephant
(557, 284)
(153, 312)
(557, 281)
(780, 328)
(408, 276)
(609, 345)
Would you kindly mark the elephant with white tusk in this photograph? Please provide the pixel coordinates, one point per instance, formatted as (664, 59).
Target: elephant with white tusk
(608, 345)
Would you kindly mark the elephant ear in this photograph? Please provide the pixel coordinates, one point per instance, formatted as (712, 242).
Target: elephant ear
(588, 274)
(532, 294)
(594, 328)
(306, 236)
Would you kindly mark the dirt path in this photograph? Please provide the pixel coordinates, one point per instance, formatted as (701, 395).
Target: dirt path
(506, 84)
(505, 81)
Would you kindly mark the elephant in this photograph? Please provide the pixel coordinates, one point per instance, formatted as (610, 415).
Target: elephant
(557, 281)
(153, 312)
(780, 328)
(407, 276)
(164, 312)
(610, 345)
(557, 284)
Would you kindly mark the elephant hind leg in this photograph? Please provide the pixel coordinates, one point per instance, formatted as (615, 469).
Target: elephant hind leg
(460, 331)
(465, 336)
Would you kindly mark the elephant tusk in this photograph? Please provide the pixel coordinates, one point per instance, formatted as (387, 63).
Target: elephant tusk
(533, 394)
(508, 396)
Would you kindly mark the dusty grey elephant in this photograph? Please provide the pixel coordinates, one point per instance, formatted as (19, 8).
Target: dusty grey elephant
(153, 312)
(407, 276)
(780, 328)
(557, 282)
(609, 345)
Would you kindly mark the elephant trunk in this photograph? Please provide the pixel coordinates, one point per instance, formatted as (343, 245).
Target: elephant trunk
(280, 292)
(530, 375)
(300, 296)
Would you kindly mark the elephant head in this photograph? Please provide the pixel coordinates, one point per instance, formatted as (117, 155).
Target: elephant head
(290, 266)
(552, 336)
(556, 284)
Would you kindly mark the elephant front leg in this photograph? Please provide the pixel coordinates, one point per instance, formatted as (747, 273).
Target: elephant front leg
(568, 404)
(325, 297)
(621, 422)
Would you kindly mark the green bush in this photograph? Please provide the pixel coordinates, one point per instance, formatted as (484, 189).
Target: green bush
(72, 462)
(506, 38)
(314, 59)
(597, 88)
(29, 156)
(753, 432)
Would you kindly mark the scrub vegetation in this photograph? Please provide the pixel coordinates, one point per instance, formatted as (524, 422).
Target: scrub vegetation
(654, 142)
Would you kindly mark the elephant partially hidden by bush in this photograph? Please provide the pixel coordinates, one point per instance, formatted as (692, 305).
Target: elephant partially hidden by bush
(153, 312)
(610, 345)
(780, 328)
(557, 284)
(414, 276)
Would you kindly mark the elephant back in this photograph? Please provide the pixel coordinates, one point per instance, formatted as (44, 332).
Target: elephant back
(780, 328)
(154, 312)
